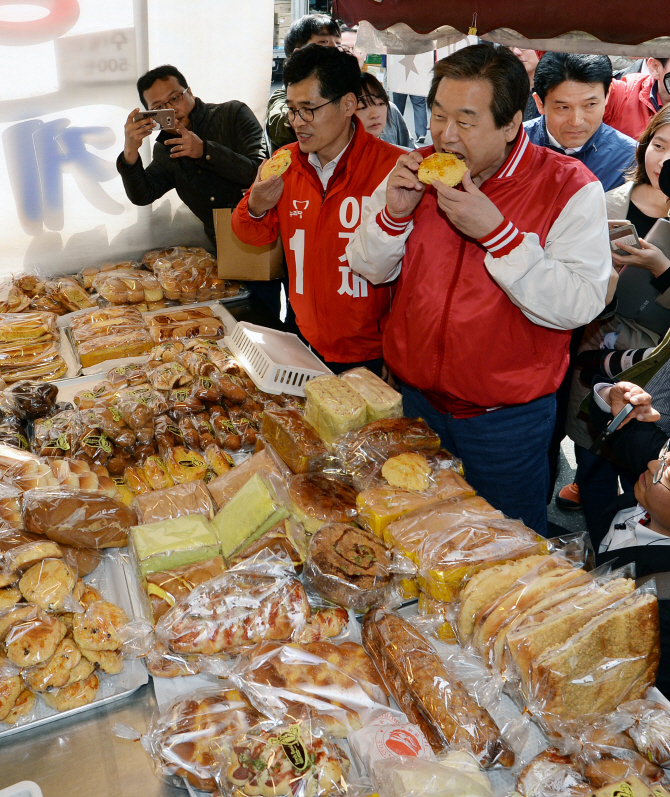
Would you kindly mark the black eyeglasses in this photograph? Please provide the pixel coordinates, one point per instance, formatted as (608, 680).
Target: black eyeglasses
(666, 82)
(660, 470)
(307, 114)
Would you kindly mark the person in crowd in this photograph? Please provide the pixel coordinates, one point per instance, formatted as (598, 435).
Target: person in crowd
(317, 205)
(622, 340)
(634, 99)
(379, 116)
(348, 37)
(210, 158)
(570, 93)
(530, 60)
(635, 527)
(420, 110)
(491, 278)
(309, 29)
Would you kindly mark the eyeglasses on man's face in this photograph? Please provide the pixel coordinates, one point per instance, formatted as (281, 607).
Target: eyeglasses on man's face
(175, 99)
(307, 114)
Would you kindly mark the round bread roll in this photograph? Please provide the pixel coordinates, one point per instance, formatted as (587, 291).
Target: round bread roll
(349, 566)
(277, 164)
(442, 166)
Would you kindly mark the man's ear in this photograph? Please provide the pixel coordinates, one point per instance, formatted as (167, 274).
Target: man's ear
(512, 128)
(538, 103)
(349, 103)
(655, 68)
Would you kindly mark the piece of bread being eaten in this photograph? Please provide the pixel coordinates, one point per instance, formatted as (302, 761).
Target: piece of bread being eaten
(442, 166)
(277, 164)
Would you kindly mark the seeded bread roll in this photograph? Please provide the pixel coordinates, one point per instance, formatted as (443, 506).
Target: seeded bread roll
(349, 566)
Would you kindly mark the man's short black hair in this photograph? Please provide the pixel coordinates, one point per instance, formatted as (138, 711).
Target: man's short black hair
(497, 65)
(159, 73)
(302, 30)
(555, 68)
(337, 71)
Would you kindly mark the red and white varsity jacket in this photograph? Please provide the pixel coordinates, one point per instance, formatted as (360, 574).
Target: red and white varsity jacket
(478, 325)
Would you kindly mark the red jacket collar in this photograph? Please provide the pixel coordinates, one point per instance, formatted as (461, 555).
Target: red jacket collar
(518, 157)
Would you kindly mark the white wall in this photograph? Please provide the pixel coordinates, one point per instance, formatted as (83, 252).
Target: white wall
(68, 85)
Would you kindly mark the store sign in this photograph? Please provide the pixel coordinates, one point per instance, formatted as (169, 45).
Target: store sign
(69, 72)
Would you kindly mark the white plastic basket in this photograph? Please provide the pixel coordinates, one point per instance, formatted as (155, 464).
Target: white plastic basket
(278, 362)
(27, 788)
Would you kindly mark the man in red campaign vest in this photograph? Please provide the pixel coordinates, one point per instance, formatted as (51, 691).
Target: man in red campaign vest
(318, 204)
(493, 275)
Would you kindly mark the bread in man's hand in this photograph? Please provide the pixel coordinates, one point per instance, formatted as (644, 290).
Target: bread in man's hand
(277, 164)
(442, 166)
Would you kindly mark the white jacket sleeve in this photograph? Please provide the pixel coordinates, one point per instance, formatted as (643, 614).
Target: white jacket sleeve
(372, 252)
(564, 285)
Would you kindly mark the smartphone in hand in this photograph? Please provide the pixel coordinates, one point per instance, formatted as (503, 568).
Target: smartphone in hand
(165, 118)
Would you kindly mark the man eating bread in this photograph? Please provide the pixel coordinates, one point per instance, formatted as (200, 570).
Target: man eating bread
(315, 199)
(493, 274)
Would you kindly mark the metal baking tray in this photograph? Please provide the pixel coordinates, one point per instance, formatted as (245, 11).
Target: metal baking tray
(112, 578)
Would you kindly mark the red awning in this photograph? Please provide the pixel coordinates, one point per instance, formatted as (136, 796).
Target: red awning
(617, 21)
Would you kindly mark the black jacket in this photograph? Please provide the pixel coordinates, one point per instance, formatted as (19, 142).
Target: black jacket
(635, 445)
(234, 148)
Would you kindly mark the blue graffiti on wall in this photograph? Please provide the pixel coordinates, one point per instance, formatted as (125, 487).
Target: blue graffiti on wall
(39, 154)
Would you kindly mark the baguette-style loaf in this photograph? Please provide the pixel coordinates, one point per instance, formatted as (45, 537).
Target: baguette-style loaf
(429, 693)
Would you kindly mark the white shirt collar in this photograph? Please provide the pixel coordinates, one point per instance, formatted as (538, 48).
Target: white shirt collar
(554, 143)
(326, 172)
(632, 532)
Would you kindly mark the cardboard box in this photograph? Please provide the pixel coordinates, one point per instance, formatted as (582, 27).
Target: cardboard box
(239, 261)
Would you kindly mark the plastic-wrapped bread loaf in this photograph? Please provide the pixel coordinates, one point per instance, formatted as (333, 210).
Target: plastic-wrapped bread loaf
(430, 695)
(333, 408)
(381, 400)
(295, 440)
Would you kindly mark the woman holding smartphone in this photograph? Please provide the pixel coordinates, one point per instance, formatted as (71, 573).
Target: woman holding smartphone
(612, 345)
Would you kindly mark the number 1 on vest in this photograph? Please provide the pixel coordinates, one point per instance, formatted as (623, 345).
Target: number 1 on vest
(297, 245)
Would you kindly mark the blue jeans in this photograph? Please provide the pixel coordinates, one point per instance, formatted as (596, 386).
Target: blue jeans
(504, 453)
(420, 112)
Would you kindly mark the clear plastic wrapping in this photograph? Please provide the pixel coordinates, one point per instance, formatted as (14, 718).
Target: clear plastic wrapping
(379, 506)
(191, 498)
(613, 658)
(56, 436)
(290, 759)
(166, 587)
(172, 543)
(109, 334)
(456, 775)
(319, 498)
(127, 286)
(448, 557)
(551, 774)
(179, 738)
(198, 322)
(259, 600)
(224, 487)
(296, 442)
(649, 729)
(30, 400)
(381, 400)
(333, 407)
(365, 450)
(29, 347)
(338, 682)
(352, 567)
(430, 694)
(77, 518)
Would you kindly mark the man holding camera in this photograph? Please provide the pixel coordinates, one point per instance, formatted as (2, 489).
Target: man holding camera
(211, 156)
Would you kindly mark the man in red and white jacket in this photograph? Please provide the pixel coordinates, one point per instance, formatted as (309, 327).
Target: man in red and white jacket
(317, 206)
(492, 278)
(633, 100)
